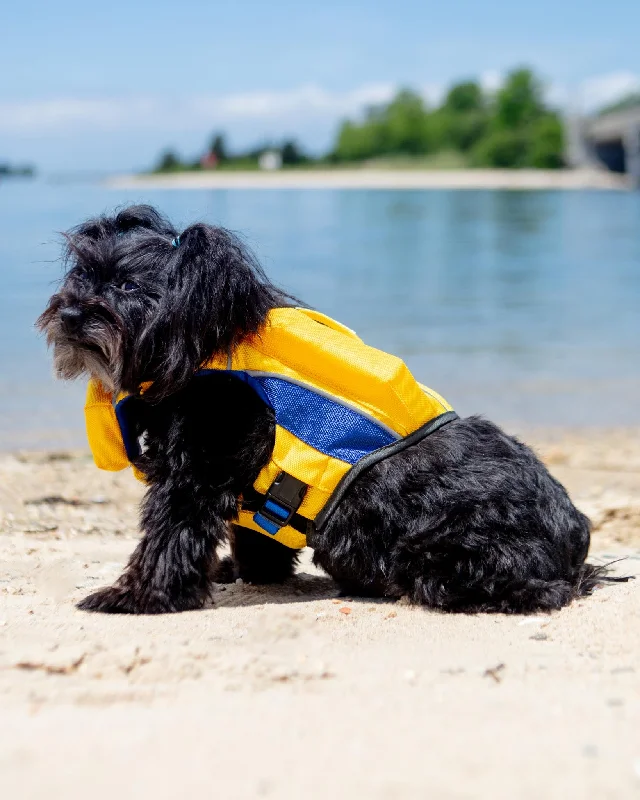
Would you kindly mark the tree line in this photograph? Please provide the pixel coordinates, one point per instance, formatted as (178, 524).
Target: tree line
(510, 128)
(10, 171)
(218, 155)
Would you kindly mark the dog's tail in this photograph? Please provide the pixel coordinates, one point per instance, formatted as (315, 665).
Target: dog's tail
(593, 575)
(522, 596)
(540, 595)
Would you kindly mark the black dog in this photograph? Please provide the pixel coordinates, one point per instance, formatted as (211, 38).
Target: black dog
(468, 519)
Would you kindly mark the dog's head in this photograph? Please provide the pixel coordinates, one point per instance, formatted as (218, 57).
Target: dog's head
(141, 303)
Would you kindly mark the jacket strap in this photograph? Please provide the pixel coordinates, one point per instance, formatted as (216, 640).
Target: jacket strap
(377, 455)
(252, 500)
(279, 507)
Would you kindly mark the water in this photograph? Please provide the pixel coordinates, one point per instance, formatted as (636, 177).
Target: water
(523, 306)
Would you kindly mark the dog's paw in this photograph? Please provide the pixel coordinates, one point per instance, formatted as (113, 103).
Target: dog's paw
(111, 600)
(225, 571)
(122, 600)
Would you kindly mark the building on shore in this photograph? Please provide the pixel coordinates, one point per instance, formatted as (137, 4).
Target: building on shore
(610, 140)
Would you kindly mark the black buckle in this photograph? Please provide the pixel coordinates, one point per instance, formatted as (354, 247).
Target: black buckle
(281, 502)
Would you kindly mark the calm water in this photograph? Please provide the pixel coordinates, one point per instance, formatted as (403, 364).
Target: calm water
(522, 306)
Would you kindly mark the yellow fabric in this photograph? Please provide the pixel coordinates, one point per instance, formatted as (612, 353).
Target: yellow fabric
(310, 348)
(103, 431)
(320, 472)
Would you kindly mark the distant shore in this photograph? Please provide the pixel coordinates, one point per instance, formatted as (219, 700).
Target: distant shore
(364, 178)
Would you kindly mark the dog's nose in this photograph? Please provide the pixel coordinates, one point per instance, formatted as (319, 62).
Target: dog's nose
(71, 319)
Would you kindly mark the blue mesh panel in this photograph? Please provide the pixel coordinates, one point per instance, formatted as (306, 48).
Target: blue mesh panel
(327, 426)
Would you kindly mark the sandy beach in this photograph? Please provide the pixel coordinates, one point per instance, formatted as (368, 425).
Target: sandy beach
(290, 692)
(366, 178)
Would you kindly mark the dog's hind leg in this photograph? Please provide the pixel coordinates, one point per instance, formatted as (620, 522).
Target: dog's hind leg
(172, 567)
(256, 559)
(500, 576)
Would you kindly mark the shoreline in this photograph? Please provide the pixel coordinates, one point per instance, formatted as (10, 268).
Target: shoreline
(71, 443)
(379, 179)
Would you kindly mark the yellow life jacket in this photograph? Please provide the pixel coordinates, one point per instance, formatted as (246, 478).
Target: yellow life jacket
(340, 406)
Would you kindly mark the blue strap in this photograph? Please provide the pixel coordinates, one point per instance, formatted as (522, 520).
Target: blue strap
(266, 524)
(283, 499)
(276, 510)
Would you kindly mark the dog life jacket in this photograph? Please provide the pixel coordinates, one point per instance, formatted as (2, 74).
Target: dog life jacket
(339, 405)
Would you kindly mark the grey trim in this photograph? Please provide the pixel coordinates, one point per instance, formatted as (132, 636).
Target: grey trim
(253, 500)
(368, 461)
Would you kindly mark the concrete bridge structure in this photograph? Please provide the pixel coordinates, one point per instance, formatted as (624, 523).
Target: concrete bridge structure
(610, 140)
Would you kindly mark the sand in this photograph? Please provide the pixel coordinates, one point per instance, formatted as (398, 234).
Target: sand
(367, 178)
(291, 692)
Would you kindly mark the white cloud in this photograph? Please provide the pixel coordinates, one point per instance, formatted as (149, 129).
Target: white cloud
(491, 80)
(183, 113)
(433, 93)
(603, 90)
(307, 99)
(62, 113)
(554, 93)
(304, 109)
(585, 97)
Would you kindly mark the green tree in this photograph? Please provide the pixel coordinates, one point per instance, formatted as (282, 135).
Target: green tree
(404, 124)
(461, 121)
(512, 129)
(397, 128)
(465, 97)
(357, 142)
(522, 131)
(218, 147)
(292, 154)
(168, 162)
(502, 148)
(519, 102)
(547, 143)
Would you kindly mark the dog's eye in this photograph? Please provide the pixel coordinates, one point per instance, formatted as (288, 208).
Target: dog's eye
(129, 286)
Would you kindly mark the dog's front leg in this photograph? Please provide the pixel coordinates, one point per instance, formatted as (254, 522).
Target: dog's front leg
(171, 568)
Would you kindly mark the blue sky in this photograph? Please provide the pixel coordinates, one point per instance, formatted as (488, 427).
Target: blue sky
(107, 86)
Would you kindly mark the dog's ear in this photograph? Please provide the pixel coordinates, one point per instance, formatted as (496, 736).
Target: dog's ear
(216, 294)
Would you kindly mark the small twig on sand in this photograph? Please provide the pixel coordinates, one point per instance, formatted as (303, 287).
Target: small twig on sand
(494, 672)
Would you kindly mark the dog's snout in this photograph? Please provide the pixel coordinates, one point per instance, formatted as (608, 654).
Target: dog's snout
(71, 318)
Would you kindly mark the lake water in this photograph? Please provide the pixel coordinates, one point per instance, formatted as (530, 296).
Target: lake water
(522, 306)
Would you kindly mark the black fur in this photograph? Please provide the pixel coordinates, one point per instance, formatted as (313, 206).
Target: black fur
(466, 520)
(255, 559)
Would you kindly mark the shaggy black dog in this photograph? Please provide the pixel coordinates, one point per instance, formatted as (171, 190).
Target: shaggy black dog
(468, 519)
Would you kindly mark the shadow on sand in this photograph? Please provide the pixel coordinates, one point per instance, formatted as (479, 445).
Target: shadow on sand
(301, 588)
